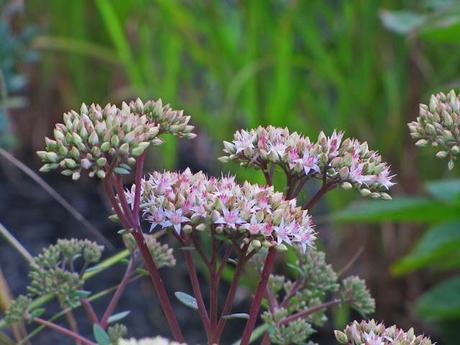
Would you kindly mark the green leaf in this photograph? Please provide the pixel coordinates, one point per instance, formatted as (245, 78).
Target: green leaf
(186, 299)
(446, 190)
(296, 268)
(232, 261)
(401, 22)
(81, 293)
(101, 336)
(121, 171)
(402, 209)
(441, 302)
(37, 312)
(437, 243)
(118, 316)
(236, 316)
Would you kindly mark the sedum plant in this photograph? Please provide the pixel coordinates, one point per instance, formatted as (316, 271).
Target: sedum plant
(218, 221)
(373, 333)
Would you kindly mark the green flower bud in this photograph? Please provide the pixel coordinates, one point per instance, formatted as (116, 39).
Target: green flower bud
(105, 147)
(100, 174)
(124, 149)
(115, 141)
(93, 138)
(341, 337)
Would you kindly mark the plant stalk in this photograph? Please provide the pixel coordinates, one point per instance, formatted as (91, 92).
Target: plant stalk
(64, 331)
(260, 292)
(118, 292)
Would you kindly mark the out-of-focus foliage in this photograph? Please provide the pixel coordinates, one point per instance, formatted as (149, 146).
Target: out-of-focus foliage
(304, 64)
(14, 50)
(438, 247)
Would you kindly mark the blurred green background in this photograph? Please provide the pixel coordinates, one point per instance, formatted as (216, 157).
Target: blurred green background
(361, 66)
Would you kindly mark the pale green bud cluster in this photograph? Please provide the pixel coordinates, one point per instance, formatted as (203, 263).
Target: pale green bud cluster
(97, 138)
(55, 271)
(90, 252)
(371, 332)
(295, 332)
(355, 292)
(116, 332)
(169, 120)
(162, 254)
(57, 282)
(438, 125)
(149, 341)
(320, 277)
(316, 283)
(17, 309)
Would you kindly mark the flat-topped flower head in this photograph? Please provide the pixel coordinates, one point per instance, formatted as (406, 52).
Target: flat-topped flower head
(96, 137)
(373, 333)
(189, 202)
(346, 162)
(438, 125)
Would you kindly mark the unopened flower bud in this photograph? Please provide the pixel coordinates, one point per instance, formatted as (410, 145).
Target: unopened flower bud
(365, 192)
(100, 174)
(347, 185)
(421, 142)
(442, 154)
(281, 247)
(105, 147)
(385, 196)
(201, 227)
(341, 337)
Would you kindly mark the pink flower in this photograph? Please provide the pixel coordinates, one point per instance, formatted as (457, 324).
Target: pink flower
(174, 219)
(309, 163)
(254, 226)
(229, 218)
(283, 233)
(156, 218)
(373, 339)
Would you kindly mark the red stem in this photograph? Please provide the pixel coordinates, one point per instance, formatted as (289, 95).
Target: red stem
(89, 310)
(124, 204)
(64, 331)
(159, 286)
(266, 339)
(227, 308)
(213, 284)
(117, 295)
(113, 200)
(160, 289)
(260, 292)
(138, 184)
(310, 311)
(323, 190)
(297, 285)
(197, 291)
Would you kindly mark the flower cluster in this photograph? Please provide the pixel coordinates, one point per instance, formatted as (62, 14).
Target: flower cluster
(439, 125)
(148, 341)
(116, 332)
(97, 137)
(187, 202)
(54, 271)
(17, 309)
(295, 332)
(162, 254)
(354, 291)
(302, 304)
(372, 333)
(348, 162)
